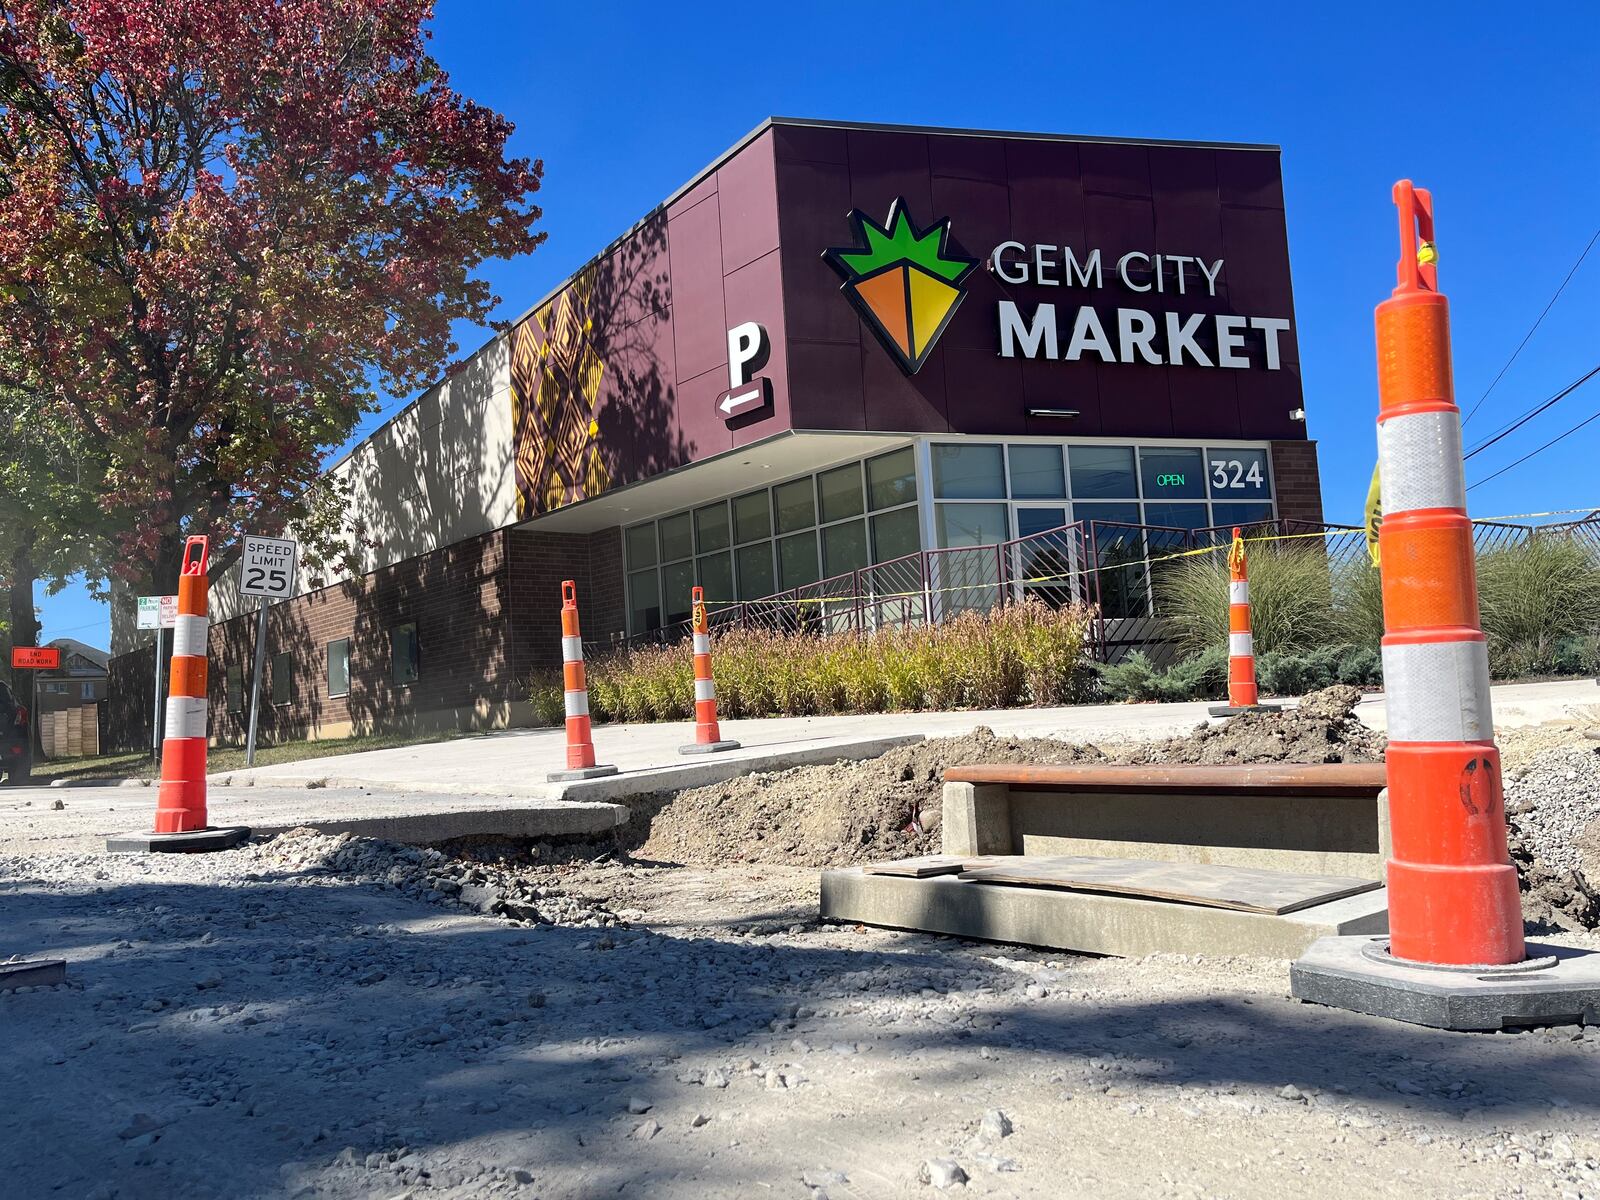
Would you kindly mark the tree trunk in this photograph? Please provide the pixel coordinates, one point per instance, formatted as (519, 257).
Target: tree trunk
(21, 575)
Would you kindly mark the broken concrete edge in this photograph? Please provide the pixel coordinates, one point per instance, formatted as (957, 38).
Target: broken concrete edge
(707, 747)
(597, 771)
(194, 841)
(549, 819)
(1228, 710)
(1087, 922)
(33, 972)
(122, 781)
(1336, 972)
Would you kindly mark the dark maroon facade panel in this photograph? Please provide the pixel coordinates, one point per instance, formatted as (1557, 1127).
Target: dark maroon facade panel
(745, 243)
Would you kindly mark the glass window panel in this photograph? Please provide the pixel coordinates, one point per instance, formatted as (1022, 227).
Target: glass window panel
(1032, 520)
(711, 528)
(756, 580)
(1127, 514)
(405, 659)
(339, 667)
(797, 560)
(968, 472)
(971, 524)
(891, 479)
(844, 548)
(676, 539)
(1238, 474)
(1036, 473)
(282, 677)
(752, 517)
(1181, 516)
(1102, 472)
(1240, 514)
(641, 545)
(839, 492)
(1172, 474)
(677, 588)
(796, 505)
(644, 601)
(235, 677)
(895, 534)
(715, 574)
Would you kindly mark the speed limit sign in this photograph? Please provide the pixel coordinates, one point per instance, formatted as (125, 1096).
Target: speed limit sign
(267, 568)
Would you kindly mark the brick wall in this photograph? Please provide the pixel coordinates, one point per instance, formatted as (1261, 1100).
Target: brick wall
(538, 564)
(1294, 472)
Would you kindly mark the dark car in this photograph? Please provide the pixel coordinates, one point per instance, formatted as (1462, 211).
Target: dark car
(16, 745)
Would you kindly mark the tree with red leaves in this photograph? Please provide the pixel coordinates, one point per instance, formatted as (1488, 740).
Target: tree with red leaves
(224, 226)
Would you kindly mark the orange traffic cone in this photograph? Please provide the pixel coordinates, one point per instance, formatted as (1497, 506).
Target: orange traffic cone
(708, 737)
(1241, 641)
(580, 738)
(181, 804)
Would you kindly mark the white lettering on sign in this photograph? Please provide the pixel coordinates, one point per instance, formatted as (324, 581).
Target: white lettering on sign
(267, 567)
(748, 350)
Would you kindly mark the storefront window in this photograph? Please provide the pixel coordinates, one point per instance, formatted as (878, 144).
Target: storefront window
(1180, 516)
(1102, 472)
(644, 600)
(968, 472)
(715, 573)
(796, 505)
(844, 548)
(1125, 514)
(891, 479)
(1172, 474)
(1036, 473)
(839, 493)
(1240, 514)
(972, 524)
(641, 545)
(797, 560)
(711, 528)
(677, 582)
(752, 517)
(755, 571)
(895, 534)
(677, 541)
(1238, 475)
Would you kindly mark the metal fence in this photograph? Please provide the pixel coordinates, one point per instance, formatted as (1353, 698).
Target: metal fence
(1112, 567)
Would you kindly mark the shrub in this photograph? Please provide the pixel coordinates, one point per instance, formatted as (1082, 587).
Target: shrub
(1535, 596)
(1027, 653)
(1291, 598)
(1198, 677)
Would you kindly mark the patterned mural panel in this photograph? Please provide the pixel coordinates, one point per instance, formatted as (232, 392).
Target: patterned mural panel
(556, 374)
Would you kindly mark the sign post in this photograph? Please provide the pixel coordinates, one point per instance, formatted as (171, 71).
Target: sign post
(266, 570)
(158, 613)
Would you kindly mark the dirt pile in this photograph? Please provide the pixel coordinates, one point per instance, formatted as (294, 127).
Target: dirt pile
(889, 807)
(1553, 814)
(1322, 730)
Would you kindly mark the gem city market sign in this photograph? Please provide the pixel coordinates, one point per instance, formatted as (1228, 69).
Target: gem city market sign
(907, 285)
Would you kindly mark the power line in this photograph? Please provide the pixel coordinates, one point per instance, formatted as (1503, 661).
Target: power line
(1592, 417)
(1533, 330)
(1506, 430)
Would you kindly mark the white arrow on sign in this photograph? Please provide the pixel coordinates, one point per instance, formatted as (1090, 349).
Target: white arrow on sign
(735, 402)
(746, 398)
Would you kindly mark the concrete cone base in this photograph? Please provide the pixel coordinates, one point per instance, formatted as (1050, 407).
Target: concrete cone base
(1227, 710)
(707, 747)
(580, 773)
(192, 842)
(1558, 985)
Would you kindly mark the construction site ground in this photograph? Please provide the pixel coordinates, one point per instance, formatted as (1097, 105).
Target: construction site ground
(658, 1013)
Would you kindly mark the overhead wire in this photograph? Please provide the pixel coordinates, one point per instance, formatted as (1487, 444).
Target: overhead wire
(1534, 329)
(1519, 422)
(1592, 417)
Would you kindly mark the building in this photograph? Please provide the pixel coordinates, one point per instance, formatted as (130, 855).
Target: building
(836, 345)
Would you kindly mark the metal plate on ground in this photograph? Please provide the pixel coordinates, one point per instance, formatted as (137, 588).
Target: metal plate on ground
(928, 865)
(1244, 889)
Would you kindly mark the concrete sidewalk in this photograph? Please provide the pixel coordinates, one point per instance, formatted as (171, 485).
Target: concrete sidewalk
(515, 762)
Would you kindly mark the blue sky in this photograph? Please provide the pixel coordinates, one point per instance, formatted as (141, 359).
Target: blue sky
(1490, 107)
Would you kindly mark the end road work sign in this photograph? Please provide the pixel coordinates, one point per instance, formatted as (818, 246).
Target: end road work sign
(267, 568)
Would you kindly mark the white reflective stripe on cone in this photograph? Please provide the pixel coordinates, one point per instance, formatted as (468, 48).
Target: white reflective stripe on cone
(572, 649)
(705, 689)
(1438, 691)
(577, 704)
(702, 643)
(1239, 591)
(1419, 457)
(1241, 645)
(186, 716)
(189, 635)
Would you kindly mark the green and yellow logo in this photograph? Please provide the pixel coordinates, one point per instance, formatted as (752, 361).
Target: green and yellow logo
(903, 281)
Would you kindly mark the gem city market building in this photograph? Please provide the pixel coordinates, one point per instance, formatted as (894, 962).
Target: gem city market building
(837, 345)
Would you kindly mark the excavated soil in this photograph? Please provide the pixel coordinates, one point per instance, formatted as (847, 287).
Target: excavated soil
(889, 807)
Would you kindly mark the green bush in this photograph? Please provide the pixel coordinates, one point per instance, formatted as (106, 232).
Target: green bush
(1291, 598)
(1026, 653)
(1533, 598)
(1320, 667)
(1136, 677)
